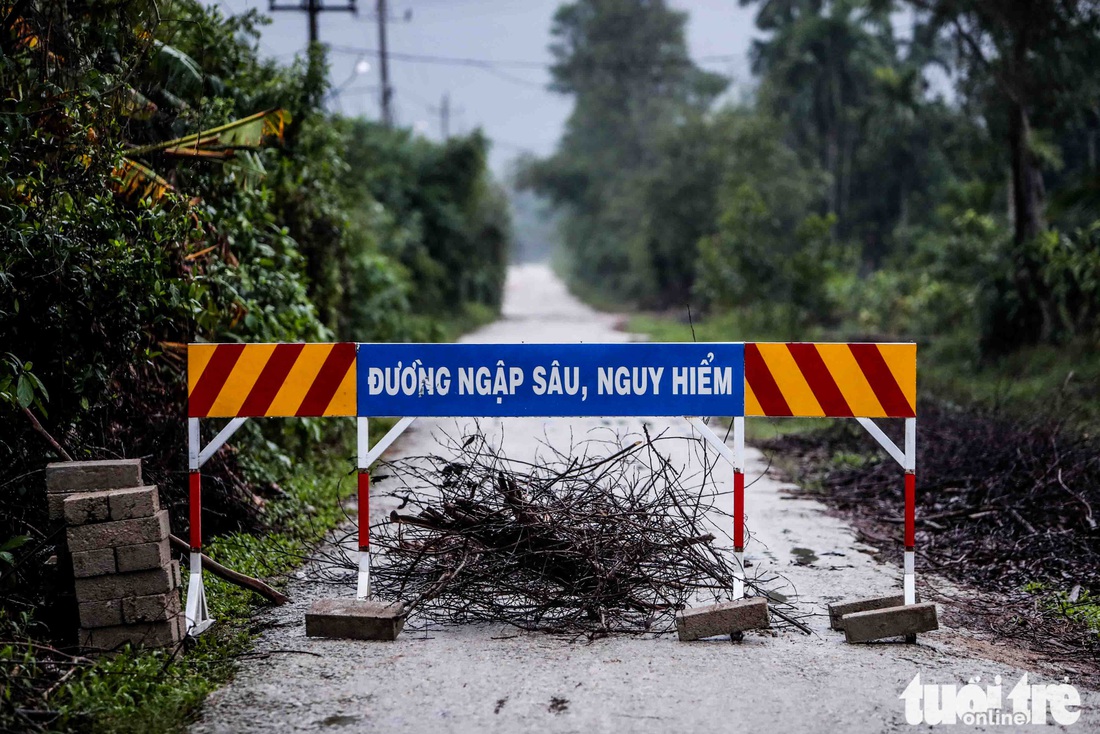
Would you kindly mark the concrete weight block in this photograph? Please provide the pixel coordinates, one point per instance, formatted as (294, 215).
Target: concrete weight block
(726, 618)
(878, 624)
(838, 610)
(355, 619)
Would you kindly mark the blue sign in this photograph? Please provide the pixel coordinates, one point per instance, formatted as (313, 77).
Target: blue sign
(496, 380)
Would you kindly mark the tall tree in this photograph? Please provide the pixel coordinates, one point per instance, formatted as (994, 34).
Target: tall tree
(1026, 58)
(626, 64)
(818, 66)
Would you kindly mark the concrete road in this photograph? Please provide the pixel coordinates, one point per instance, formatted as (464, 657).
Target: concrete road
(494, 679)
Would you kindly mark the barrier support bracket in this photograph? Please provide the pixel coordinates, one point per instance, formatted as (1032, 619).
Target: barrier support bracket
(891, 448)
(224, 435)
(717, 443)
(387, 440)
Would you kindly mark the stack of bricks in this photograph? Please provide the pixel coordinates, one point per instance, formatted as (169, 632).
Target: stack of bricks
(127, 585)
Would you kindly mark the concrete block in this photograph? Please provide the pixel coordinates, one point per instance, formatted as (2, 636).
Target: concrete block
(725, 618)
(82, 508)
(153, 634)
(143, 556)
(152, 608)
(121, 532)
(174, 572)
(878, 624)
(104, 613)
(127, 504)
(121, 585)
(98, 562)
(838, 610)
(355, 619)
(84, 476)
(55, 503)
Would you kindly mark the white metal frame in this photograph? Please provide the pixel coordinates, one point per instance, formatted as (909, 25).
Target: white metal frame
(196, 611)
(906, 458)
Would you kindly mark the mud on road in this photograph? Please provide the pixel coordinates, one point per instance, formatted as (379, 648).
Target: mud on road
(489, 678)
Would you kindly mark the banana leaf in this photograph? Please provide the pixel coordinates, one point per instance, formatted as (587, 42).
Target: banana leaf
(135, 182)
(248, 133)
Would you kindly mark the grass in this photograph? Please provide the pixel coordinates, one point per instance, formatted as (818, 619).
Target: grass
(1084, 608)
(152, 691)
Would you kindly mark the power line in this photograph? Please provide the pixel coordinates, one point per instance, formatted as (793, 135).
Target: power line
(526, 64)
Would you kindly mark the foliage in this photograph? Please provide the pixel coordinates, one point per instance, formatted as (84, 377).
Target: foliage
(851, 192)
(161, 184)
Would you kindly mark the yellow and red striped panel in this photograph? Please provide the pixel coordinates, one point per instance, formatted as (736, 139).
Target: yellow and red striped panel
(831, 380)
(253, 380)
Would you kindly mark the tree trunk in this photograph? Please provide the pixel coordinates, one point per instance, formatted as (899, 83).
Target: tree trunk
(1027, 180)
(1028, 209)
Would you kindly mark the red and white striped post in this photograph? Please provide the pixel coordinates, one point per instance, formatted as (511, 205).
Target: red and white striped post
(910, 510)
(362, 589)
(739, 506)
(196, 614)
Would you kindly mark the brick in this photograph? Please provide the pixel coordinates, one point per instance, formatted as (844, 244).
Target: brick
(725, 618)
(153, 634)
(84, 476)
(152, 608)
(143, 556)
(120, 532)
(104, 613)
(355, 619)
(837, 611)
(82, 508)
(127, 504)
(94, 563)
(878, 624)
(55, 503)
(121, 585)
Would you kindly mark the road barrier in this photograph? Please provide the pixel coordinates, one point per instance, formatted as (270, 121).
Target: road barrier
(863, 381)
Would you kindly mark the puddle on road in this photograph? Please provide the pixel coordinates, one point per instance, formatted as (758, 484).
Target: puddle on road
(339, 720)
(803, 556)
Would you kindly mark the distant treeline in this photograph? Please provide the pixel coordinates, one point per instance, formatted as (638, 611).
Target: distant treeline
(845, 191)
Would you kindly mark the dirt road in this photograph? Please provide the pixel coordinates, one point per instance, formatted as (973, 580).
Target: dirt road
(493, 679)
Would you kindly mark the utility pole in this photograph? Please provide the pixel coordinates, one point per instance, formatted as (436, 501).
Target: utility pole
(313, 8)
(384, 65)
(445, 111)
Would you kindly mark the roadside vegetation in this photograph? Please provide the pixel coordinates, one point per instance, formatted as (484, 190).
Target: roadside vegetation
(161, 184)
(918, 170)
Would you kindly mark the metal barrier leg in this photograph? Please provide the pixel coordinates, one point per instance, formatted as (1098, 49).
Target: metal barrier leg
(196, 613)
(739, 506)
(362, 589)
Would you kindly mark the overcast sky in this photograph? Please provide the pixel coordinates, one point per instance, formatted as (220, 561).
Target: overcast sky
(509, 101)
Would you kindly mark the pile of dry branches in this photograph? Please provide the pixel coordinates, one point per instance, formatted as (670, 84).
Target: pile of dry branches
(609, 536)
